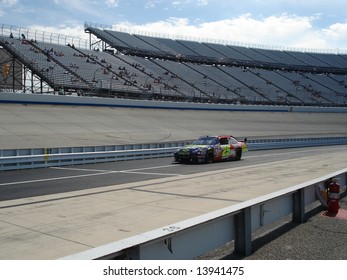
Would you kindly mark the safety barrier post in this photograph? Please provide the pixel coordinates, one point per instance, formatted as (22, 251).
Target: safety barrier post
(299, 206)
(133, 253)
(243, 232)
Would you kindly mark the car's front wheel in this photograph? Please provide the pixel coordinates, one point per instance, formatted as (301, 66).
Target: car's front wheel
(209, 157)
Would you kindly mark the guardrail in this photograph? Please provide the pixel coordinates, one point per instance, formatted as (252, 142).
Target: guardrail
(48, 157)
(284, 143)
(187, 239)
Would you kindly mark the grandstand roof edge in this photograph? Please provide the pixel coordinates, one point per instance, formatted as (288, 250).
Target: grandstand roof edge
(133, 31)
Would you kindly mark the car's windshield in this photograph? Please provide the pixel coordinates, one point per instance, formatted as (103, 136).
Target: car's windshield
(206, 141)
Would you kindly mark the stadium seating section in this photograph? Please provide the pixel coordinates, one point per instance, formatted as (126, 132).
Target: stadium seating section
(136, 66)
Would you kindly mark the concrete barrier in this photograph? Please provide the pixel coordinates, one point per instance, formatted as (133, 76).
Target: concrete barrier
(193, 237)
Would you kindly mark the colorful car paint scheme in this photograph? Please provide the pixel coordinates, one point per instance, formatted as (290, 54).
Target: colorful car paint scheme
(208, 149)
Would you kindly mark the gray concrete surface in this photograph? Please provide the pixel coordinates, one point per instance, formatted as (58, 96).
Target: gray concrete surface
(321, 237)
(47, 126)
(54, 226)
(57, 225)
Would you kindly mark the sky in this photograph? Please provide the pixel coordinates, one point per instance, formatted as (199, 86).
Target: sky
(298, 24)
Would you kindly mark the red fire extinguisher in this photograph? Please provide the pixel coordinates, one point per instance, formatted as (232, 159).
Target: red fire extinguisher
(333, 197)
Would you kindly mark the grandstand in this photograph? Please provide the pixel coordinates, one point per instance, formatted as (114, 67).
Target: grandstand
(124, 65)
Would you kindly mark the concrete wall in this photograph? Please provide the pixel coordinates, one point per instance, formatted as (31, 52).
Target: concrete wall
(109, 102)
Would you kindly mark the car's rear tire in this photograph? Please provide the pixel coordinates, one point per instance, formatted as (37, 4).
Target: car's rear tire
(209, 157)
(238, 155)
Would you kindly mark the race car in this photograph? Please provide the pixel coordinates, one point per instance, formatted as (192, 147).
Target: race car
(208, 149)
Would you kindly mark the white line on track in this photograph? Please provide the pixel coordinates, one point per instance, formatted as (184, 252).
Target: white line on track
(99, 173)
(104, 170)
(54, 179)
(292, 152)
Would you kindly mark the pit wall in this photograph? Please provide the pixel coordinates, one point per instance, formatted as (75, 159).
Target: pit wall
(187, 240)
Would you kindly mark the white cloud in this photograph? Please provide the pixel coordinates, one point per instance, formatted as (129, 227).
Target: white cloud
(337, 31)
(8, 3)
(335, 35)
(112, 3)
(63, 34)
(203, 2)
(186, 2)
(274, 31)
(152, 3)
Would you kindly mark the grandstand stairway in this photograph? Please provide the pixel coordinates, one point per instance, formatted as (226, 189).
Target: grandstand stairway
(91, 88)
(208, 75)
(109, 69)
(177, 75)
(246, 85)
(288, 94)
(149, 75)
(322, 85)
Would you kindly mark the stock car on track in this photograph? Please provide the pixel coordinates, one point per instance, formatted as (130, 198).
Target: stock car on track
(208, 149)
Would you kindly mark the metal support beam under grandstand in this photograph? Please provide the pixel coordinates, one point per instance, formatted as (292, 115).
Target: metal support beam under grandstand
(20, 77)
(10, 72)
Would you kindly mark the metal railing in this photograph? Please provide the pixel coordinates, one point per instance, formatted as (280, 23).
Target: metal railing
(48, 157)
(43, 36)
